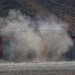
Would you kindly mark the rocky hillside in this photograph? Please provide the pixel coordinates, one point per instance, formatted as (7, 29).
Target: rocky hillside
(63, 9)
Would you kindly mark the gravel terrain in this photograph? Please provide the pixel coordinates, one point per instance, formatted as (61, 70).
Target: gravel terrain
(54, 68)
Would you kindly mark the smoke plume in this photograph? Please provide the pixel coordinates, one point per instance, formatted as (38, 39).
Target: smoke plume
(25, 40)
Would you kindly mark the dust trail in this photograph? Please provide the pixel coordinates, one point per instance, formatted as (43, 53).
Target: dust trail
(46, 41)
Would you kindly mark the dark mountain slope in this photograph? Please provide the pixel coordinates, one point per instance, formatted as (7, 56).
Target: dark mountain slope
(63, 9)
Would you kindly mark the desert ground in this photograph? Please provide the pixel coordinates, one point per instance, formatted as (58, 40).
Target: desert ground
(50, 68)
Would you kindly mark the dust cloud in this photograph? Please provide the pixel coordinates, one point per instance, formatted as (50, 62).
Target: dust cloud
(27, 42)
